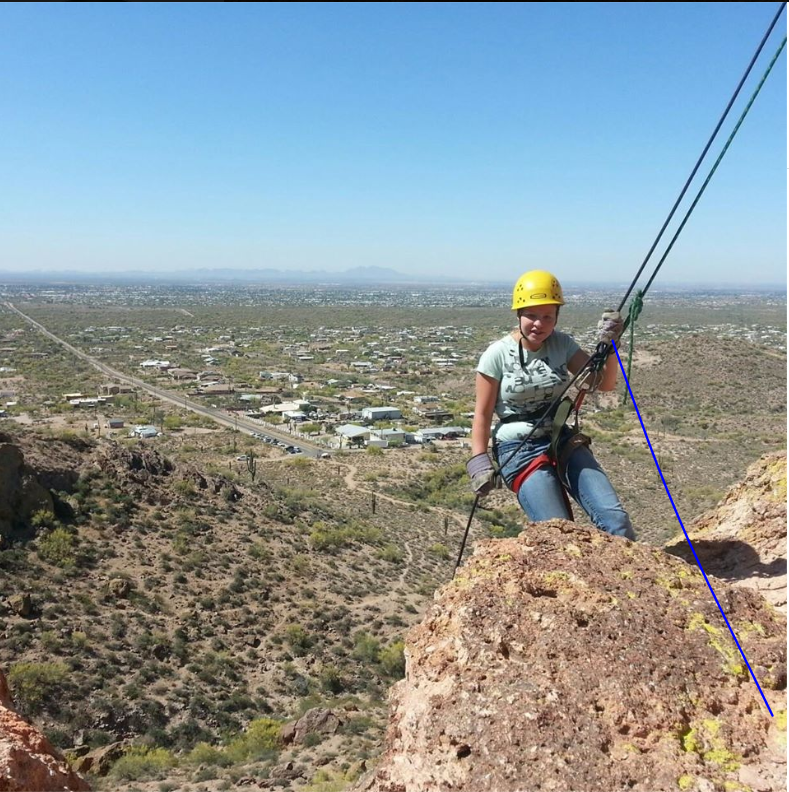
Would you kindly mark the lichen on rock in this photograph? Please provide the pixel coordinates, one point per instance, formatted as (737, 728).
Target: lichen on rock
(608, 667)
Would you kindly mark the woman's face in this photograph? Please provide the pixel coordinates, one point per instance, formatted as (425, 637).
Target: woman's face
(537, 323)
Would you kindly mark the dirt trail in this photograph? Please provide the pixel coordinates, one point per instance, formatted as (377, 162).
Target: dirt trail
(352, 484)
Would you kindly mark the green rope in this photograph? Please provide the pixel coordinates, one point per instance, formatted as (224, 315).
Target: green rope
(636, 303)
(717, 162)
(636, 306)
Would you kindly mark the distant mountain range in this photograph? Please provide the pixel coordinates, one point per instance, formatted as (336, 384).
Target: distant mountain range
(355, 275)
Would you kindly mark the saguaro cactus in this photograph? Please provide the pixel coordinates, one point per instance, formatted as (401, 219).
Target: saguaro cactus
(252, 465)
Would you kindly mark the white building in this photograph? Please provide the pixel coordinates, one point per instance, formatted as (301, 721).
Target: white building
(381, 414)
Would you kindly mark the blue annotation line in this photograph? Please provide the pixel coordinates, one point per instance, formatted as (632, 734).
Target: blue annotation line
(693, 549)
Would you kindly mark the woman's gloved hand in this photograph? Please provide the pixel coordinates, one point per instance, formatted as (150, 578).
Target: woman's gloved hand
(610, 327)
(482, 474)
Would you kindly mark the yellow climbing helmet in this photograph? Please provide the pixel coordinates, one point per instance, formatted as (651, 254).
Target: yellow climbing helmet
(536, 287)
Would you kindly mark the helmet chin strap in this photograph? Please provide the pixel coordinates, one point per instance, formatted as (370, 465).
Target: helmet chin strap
(520, 346)
(520, 326)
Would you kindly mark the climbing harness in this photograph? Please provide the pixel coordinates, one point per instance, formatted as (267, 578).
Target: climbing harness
(594, 363)
(597, 360)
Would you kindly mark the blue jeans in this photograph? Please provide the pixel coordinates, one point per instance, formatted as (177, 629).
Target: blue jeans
(540, 496)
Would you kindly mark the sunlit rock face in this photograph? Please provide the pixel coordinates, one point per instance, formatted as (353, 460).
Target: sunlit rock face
(567, 659)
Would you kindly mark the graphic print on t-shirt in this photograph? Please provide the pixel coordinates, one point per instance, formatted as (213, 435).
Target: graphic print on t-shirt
(527, 389)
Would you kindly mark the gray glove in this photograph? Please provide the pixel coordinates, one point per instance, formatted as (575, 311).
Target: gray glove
(610, 327)
(481, 472)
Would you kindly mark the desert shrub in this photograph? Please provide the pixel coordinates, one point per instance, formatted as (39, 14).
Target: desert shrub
(143, 762)
(205, 774)
(330, 781)
(259, 742)
(358, 725)
(366, 648)
(43, 518)
(331, 679)
(205, 754)
(35, 685)
(373, 450)
(300, 565)
(392, 660)
(259, 551)
(298, 639)
(173, 422)
(58, 547)
(329, 539)
(391, 553)
(438, 549)
(187, 734)
(184, 487)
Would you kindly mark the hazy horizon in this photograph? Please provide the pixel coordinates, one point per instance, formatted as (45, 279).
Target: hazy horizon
(322, 278)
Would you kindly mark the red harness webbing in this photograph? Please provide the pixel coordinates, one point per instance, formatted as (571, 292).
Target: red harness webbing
(543, 460)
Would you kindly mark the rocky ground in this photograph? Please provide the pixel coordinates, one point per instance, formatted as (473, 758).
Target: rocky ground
(565, 659)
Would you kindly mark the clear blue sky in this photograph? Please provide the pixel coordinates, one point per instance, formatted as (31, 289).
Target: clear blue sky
(448, 138)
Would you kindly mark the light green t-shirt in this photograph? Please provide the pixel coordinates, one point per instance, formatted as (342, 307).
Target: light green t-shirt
(529, 390)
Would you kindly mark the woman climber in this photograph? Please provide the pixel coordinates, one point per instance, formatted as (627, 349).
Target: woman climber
(518, 377)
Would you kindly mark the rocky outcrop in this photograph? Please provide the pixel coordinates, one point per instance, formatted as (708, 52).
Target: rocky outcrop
(314, 721)
(566, 659)
(99, 762)
(28, 762)
(21, 494)
(743, 539)
(148, 475)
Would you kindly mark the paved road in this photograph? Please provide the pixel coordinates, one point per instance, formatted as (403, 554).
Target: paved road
(243, 424)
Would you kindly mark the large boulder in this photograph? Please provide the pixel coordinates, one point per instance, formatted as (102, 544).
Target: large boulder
(567, 659)
(314, 721)
(21, 494)
(28, 762)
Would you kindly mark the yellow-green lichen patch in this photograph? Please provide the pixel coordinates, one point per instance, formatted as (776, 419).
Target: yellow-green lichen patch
(689, 742)
(734, 786)
(573, 550)
(778, 731)
(476, 571)
(745, 629)
(706, 742)
(504, 557)
(626, 574)
(721, 643)
(672, 585)
(684, 578)
(557, 576)
(698, 621)
(632, 595)
(685, 782)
